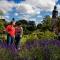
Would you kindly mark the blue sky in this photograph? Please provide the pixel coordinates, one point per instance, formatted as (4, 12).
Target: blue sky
(28, 9)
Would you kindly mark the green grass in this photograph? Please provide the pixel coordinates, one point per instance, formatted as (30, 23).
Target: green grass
(5, 54)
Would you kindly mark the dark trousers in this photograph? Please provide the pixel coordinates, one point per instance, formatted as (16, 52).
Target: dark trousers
(17, 41)
(10, 39)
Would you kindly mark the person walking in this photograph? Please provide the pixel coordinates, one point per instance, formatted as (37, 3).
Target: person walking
(10, 32)
(18, 35)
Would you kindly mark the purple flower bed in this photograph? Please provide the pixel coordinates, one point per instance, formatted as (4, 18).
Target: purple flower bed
(42, 43)
(32, 45)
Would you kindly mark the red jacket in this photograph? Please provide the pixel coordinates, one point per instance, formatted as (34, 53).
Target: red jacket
(11, 30)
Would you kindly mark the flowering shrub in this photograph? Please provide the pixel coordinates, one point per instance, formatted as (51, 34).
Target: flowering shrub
(36, 50)
(47, 35)
(39, 36)
(41, 50)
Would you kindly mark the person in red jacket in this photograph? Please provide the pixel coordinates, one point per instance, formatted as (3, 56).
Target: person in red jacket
(10, 32)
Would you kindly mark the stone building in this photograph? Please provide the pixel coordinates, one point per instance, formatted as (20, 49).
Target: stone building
(54, 20)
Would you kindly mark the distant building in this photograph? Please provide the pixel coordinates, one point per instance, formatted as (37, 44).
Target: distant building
(54, 20)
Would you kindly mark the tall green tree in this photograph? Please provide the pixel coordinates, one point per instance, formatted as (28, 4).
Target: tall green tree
(39, 26)
(46, 23)
(31, 26)
(28, 26)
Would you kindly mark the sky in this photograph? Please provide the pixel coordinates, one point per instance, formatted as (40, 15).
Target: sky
(31, 10)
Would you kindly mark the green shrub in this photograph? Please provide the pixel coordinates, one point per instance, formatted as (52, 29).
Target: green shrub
(32, 36)
(29, 37)
(5, 54)
(47, 35)
(39, 36)
(54, 52)
(33, 53)
(1, 27)
(24, 39)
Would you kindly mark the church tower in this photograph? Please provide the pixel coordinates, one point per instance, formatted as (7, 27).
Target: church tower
(54, 19)
(55, 13)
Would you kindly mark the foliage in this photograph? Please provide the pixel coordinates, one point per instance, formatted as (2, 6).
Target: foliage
(33, 53)
(5, 54)
(39, 26)
(32, 36)
(47, 35)
(38, 36)
(39, 52)
(1, 27)
(45, 24)
(28, 26)
(54, 52)
(24, 39)
(31, 26)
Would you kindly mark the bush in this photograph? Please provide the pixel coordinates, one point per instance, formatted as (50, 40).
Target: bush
(39, 36)
(1, 27)
(5, 54)
(24, 39)
(33, 54)
(54, 52)
(32, 36)
(47, 35)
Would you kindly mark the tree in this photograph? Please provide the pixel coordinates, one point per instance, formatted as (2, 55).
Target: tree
(39, 26)
(28, 26)
(31, 26)
(46, 23)
(24, 22)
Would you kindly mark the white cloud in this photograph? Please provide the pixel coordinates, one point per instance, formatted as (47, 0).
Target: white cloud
(31, 7)
(38, 12)
(39, 16)
(26, 18)
(42, 4)
(58, 8)
(35, 7)
(32, 19)
(16, 14)
(5, 6)
(7, 18)
(26, 8)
